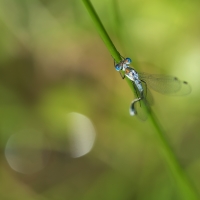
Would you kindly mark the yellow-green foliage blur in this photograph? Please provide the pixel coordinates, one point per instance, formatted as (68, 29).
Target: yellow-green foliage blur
(65, 128)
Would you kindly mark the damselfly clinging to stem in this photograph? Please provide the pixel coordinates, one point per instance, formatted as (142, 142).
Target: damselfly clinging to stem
(142, 81)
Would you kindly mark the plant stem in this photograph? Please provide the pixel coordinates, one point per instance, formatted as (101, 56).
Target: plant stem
(186, 188)
(102, 32)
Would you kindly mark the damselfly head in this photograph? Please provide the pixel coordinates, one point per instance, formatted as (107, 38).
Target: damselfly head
(118, 67)
(127, 61)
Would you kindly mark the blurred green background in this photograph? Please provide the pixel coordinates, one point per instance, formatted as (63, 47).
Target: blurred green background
(65, 128)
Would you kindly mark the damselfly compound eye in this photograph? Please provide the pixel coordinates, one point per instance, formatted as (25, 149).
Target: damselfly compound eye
(118, 67)
(128, 61)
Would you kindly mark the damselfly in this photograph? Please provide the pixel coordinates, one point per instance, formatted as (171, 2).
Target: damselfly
(164, 84)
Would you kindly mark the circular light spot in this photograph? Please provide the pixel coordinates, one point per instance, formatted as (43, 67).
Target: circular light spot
(82, 134)
(27, 151)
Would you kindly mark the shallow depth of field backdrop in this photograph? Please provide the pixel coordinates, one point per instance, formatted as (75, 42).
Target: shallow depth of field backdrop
(65, 128)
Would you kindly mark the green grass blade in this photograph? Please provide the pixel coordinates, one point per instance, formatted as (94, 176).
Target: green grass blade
(102, 32)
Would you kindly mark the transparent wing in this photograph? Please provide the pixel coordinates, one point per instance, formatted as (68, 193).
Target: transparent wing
(147, 95)
(165, 84)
